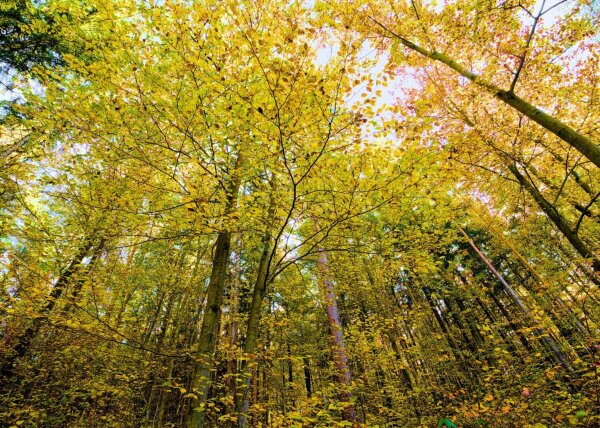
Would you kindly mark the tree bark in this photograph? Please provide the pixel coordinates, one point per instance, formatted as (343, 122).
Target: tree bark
(563, 131)
(307, 376)
(335, 331)
(233, 329)
(80, 281)
(557, 219)
(200, 379)
(576, 176)
(173, 339)
(511, 322)
(586, 211)
(258, 296)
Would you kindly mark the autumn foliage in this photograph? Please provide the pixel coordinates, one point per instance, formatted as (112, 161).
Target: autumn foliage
(299, 214)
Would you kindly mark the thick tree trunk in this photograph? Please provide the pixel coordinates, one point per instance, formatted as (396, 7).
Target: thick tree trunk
(200, 379)
(563, 131)
(76, 289)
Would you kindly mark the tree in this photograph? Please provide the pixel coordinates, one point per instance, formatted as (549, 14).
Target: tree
(276, 214)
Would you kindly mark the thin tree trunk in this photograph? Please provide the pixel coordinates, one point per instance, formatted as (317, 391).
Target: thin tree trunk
(548, 342)
(258, 295)
(172, 341)
(511, 322)
(154, 318)
(307, 376)
(457, 319)
(233, 330)
(335, 330)
(558, 310)
(164, 326)
(586, 187)
(490, 317)
(587, 211)
(440, 321)
(557, 219)
(470, 323)
(24, 340)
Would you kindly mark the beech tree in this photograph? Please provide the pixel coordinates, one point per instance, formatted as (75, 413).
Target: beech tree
(235, 214)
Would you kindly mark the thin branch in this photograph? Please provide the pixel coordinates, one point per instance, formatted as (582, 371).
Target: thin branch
(527, 44)
(585, 212)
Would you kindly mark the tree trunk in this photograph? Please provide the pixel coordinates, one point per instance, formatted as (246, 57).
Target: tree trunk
(200, 379)
(173, 339)
(24, 340)
(470, 323)
(576, 176)
(234, 305)
(558, 220)
(80, 281)
(563, 131)
(586, 211)
(260, 289)
(335, 331)
(441, 323)
(258, 295)
(546, 340)
(511, 322)
(307, 376)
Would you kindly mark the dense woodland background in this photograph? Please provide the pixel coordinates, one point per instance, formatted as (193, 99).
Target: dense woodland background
(299, 214)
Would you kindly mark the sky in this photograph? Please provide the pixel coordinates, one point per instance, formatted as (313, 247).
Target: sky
(389, 95)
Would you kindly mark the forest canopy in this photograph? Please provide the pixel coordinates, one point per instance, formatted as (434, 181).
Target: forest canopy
(299, 214)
